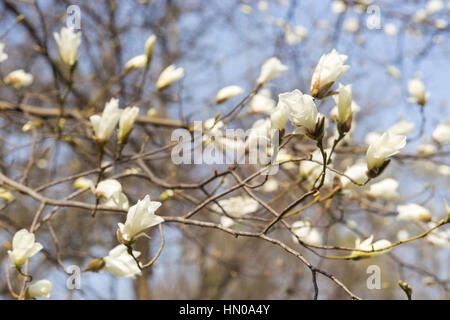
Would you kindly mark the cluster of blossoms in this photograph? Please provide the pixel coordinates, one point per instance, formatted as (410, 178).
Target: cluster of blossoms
(301, 111)
(294, 107)
(122, 260)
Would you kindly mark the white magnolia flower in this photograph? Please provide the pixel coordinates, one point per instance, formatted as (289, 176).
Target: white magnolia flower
(384, 147)
(121, 264)
(385, 189)
(226, 93)
(351, 25)
(413, 212)
(390, 29)
(149, 45)
(402, 127)
(23, 247)
(226, 221)
(262, 102)
(3, 55)
(442, 132)
(301, 109)
(137, 62)
(68, 42)
(141, 216)
(126, 123)
(111, 191)
(279, 117)
(236, 207)
(416, 89)
(357, 172)
(18, 78)
(434, 6)
(368, 245)
(104, 125)
(305, 232)
(271, 69)
(41, 288)
(393, 71)
(168, 76)
(271, 185)
(330, 68)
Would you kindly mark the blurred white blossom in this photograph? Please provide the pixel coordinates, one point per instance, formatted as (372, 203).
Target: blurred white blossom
(18, 78)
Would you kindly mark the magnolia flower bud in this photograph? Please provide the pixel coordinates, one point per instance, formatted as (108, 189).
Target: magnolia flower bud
(149, 45)
(302, 112)
(68, 42)
(226, 93)
(3, 55)
(6, 195)
(18, 78)
(413, 212)
(384, 147)
(23, 247)
(137, 62)
(140, 217)
(271, 69)
(416, 89)
(126, 122)
(351, 25)
(367, 245)
(104, 125)
(344, 105)
(82, 183)
(279, 117)
(168, 76)
(330, 68)
(111, 191)
(393, 71)
(442, 132)
(95, 265)
(121, 264)
(41, 288)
